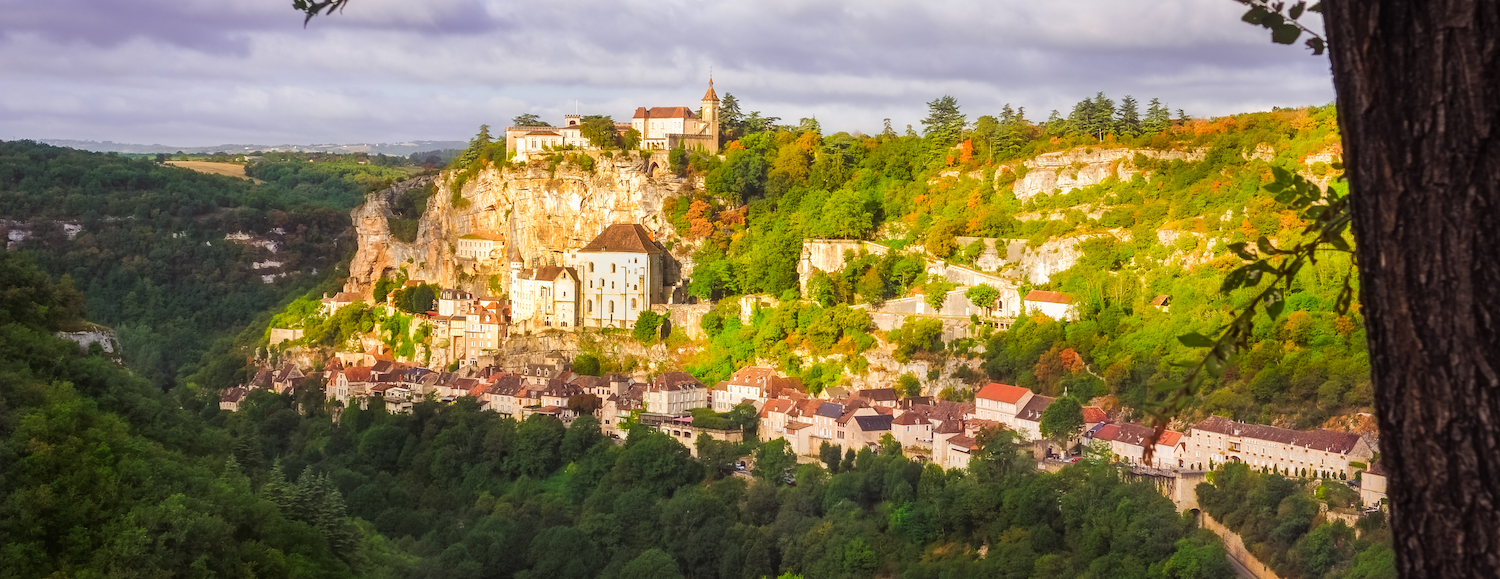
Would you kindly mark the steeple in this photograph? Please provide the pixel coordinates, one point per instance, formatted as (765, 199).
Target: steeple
(710, 95)
(710, 116)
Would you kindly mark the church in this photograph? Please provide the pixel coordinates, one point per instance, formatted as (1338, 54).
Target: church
(661, 128)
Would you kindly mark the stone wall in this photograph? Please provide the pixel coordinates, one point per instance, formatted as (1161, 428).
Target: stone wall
(1236, 548)
(279, 335)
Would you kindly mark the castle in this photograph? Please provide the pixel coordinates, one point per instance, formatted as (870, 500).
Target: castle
(661, 128)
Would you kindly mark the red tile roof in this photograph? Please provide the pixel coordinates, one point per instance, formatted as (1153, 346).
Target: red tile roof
(1094, 414)
(1049, 297)
(665, 113)
(1002, 392)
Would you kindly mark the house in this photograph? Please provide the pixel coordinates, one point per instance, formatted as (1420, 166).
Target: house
(1000, 402)
(544, 297)
(231, 398)
(483, 333)
(1028, 421)
(751, 383)
(1302, 453)
(621, 271)
(481, 247)
(450, 301)
(1055, 305)
(1128, 443)
(338, 301)
(1093, 416)
(286, 378)
(885, 397)
(912, 430)
(1162, 302)
(1372, 485)
(870, 429)
(675, 393)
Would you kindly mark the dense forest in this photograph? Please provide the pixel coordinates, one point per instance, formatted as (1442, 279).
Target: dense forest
(103, 474)
(150, 251)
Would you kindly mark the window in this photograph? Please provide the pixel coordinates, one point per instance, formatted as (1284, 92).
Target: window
(590, 306)
(632, 303)
(611, 268)
(611, 306)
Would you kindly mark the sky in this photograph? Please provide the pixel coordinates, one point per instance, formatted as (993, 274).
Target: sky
(208, 72)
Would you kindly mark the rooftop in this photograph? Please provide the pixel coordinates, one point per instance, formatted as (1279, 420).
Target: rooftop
(623, 238)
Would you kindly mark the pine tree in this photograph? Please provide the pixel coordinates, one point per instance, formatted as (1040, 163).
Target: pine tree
(1158, 118)
(1129, 120)
(944, 122)
(276, 489)
(1055, 125)
(1103, 116)
(1081, 120)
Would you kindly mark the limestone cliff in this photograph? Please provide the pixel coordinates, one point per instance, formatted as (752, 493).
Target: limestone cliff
(543, 211)
(1083, 167)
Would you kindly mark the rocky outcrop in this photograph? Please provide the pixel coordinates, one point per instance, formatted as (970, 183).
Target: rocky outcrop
(1086, 166)
(544, 212)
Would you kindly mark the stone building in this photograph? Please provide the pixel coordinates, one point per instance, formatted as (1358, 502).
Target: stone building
(675, 393)
(1304, 453)
(661, 128)
(620, 275)
(665, 128)
(544, 297)
(1055, 305)
(481, 247)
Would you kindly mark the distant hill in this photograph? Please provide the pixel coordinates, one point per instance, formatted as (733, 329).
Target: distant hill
(401, 148)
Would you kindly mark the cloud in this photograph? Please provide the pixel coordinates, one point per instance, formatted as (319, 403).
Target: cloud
(210, 71)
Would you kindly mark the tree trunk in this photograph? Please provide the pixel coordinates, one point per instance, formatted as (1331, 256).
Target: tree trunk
(1419, 106)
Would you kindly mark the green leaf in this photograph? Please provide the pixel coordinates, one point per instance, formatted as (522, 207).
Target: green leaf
(1264, 245)
(1195, 340)
(1316, 7)
(1285, 33)
(1167, 386)
(1296, 11)
(1274, 304)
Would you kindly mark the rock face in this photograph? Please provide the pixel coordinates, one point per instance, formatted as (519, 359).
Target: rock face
(541, 212)
(1083, 167)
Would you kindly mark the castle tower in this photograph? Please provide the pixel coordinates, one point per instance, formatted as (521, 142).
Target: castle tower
(711, 116)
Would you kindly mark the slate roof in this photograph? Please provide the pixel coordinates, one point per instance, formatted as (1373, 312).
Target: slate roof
(1326, 440)
(1034, 408)
(234, 394)
(1049, 297)
(623, 238)
(873, 423)
(830, 410)
(878, 394)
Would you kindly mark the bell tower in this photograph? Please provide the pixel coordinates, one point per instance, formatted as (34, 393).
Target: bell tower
(711, 116)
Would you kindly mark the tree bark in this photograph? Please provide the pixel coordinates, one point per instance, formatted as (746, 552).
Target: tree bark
(1419, 105)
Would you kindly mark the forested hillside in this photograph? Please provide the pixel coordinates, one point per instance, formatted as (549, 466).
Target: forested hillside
(102, 474)
(148, 242)
(1152, 227)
